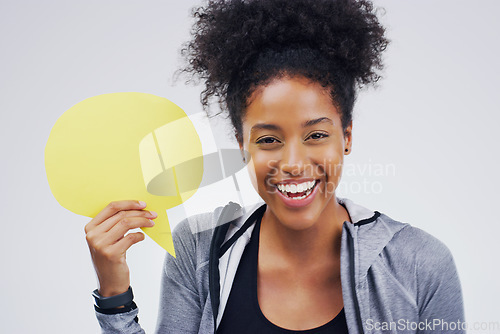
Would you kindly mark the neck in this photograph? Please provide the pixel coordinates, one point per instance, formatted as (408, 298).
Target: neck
(318, 243)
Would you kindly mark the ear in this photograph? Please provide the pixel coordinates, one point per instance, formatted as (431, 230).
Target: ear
(348, 139)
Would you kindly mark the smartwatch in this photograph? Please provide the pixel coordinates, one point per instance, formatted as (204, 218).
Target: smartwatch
(105, 303)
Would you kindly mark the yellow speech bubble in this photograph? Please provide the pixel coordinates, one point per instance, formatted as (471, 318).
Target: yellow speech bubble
(118, 146)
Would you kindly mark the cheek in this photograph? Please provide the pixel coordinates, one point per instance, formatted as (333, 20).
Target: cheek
(252, 173)
(331, 166)
(336, 168)
(335, 176)
(261, 171)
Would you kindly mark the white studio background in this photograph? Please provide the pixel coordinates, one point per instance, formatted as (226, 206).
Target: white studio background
(424, 142)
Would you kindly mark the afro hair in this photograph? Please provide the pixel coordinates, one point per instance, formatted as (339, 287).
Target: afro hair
(238, 45)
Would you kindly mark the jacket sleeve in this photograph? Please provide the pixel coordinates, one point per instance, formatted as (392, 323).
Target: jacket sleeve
(439, 294)
(180, 303)
(120, 323)
(180, 310)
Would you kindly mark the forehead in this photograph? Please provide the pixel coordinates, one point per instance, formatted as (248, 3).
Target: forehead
(289, 100)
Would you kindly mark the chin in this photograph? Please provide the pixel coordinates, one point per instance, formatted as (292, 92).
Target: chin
(295, 223)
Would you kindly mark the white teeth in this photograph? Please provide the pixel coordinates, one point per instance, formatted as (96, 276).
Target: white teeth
(297, 188)
(303, 196)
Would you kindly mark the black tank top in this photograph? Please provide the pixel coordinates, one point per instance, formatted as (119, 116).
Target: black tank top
(243, 314)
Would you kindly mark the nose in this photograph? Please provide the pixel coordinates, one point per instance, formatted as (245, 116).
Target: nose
(294, 159)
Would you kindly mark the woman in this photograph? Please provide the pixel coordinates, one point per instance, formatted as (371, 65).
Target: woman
(305, 261)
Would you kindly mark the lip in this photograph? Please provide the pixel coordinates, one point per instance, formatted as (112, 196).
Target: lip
(297, 203)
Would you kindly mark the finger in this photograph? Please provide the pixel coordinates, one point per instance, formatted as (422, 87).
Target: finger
(111, 209)
(109, 223)
(99, 237)
(124, 244)
(126, 224)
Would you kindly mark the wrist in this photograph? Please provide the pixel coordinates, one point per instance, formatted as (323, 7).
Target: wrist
(115, 301)
(120, 310)
(106, 292)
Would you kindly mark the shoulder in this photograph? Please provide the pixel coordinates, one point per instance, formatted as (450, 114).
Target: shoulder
(401, 247)
(425, 266)
(193, 235)
(414, 243)
(418, 260)
(405, 251)
(189, 267)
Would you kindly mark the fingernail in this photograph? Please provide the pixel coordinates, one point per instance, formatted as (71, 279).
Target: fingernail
(152, 223)
(142, 204)
(154, 214)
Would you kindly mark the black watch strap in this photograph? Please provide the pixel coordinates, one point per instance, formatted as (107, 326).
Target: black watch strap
(113, 301)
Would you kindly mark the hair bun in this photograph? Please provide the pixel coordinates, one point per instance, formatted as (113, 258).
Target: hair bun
(229, 36)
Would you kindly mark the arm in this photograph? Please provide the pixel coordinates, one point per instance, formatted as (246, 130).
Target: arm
(439, 292)
(180, 310)
(180, 301)
(108, 242)
(120, 321)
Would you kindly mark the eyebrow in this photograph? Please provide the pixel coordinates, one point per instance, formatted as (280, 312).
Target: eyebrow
(311, 122)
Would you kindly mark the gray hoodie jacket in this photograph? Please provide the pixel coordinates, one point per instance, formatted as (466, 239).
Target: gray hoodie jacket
(395, 278)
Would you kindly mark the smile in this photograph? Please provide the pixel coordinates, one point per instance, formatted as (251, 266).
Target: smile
(297, 191)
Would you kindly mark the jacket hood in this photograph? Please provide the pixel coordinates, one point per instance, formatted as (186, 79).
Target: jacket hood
(372, 231)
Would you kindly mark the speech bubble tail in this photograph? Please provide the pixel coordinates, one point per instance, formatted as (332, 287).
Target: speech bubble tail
(160, 233)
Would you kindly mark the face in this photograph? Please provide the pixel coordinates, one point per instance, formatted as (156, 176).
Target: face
(295, 139)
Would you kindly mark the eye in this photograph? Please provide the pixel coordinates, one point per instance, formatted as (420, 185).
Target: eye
(267, 141)
(317, 135)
